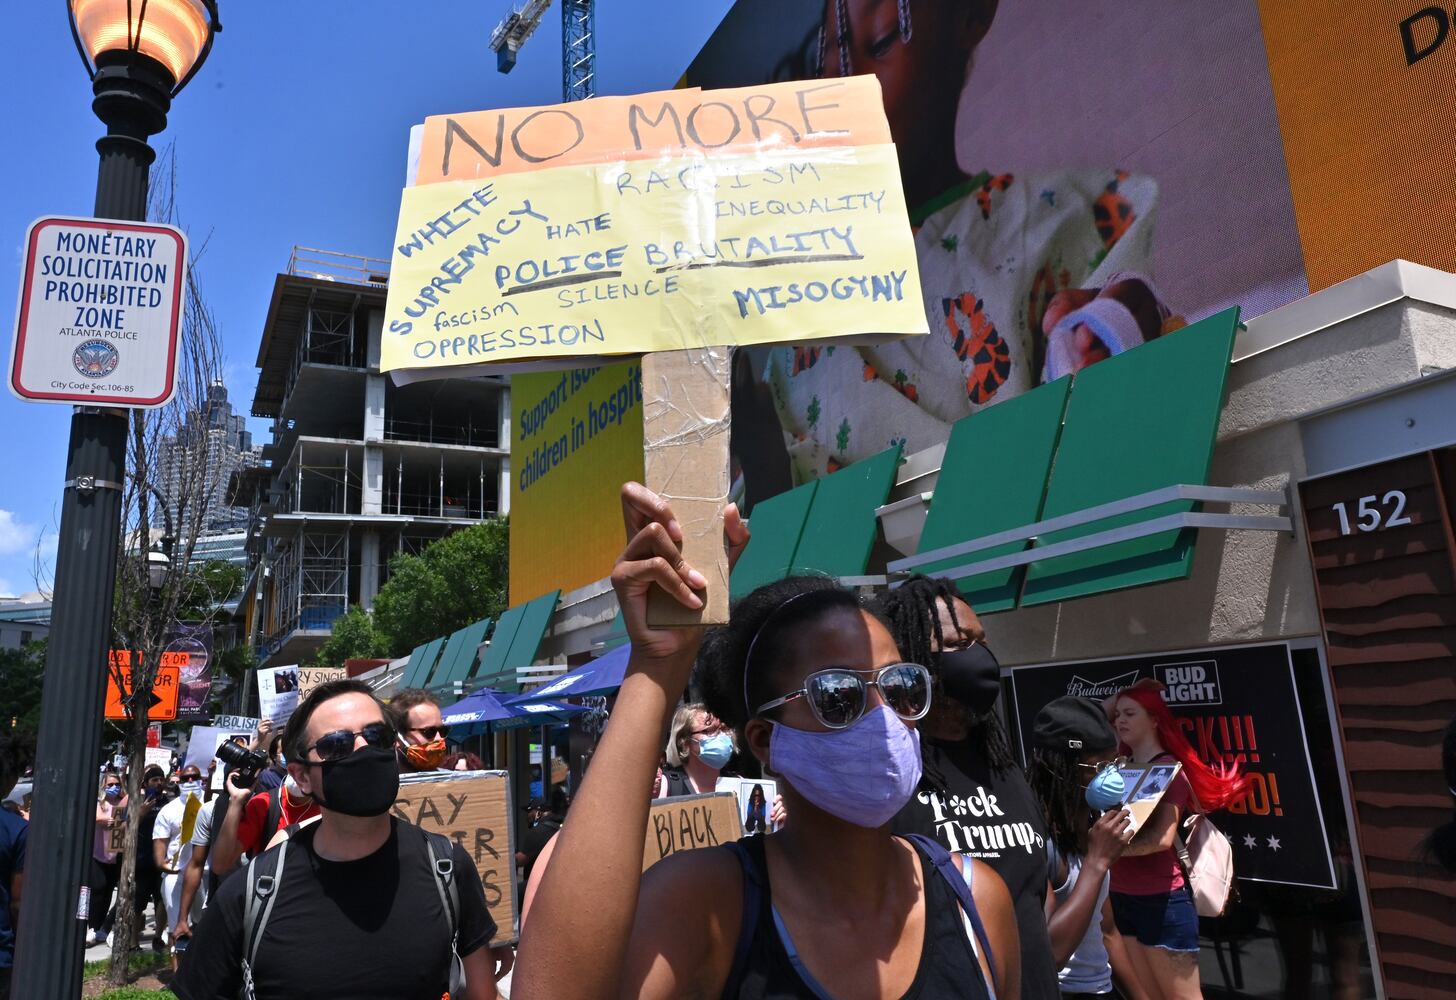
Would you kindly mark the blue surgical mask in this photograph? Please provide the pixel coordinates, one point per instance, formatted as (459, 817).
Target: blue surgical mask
(863, 774)
(715, 750)
(1106, 789)
(113, 791)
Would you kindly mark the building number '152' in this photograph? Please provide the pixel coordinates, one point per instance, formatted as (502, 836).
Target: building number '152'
(1370, 517)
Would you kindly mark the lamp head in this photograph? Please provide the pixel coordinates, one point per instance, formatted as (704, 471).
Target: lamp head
(175, 34)
(157, 566)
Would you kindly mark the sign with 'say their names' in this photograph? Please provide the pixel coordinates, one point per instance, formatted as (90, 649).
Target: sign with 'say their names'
(99, 312)
(472, 808)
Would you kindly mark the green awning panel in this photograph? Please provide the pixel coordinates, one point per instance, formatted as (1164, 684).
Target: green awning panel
(532, 628)
(493, 662)
(617, 634)
(1137, 422)
(774, 532)
(415, 667)
(841, 528)
(459, 655)
(429, 657)
(1017, 440)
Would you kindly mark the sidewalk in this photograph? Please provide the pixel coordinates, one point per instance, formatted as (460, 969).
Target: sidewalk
(102, 952)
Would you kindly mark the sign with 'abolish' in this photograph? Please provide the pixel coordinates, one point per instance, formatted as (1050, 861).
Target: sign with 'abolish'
(536, 237)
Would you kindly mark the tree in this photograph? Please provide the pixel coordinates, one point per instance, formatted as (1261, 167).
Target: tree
(451, 583)
(142, 613)
(355, 637)
(21, 671)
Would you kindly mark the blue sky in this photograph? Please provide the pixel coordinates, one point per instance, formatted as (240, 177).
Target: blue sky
(294, 132)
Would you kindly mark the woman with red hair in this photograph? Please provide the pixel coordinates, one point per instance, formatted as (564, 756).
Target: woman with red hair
(1151, 901)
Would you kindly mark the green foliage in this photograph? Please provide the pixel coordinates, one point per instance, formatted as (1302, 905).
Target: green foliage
(134, 993)
(355, 637)
(453, 582)
(236, 662)
(205, 587)
(21, 671)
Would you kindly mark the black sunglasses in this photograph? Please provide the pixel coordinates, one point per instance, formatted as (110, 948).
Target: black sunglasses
(340, 743)
(433, 732)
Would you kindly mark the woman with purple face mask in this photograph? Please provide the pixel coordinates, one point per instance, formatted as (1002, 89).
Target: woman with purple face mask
(831, 906)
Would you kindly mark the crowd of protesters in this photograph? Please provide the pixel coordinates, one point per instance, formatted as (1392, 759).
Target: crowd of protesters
(911, 853)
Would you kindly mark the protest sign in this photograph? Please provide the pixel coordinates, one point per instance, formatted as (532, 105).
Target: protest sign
(1237, 705)
(160, 756)
(277, 693)
(238, 722)
(755, 802)
(311, 677)
(687, 822)
(538, 237)
(201, 743)
(472, 808)
(219, 738)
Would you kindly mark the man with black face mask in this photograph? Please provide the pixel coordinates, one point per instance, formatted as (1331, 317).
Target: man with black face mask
(973, 797)
(358, 905)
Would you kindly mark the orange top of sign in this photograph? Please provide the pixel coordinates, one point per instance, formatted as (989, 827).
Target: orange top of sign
(166, 691)
(170, 658)
(668, 124)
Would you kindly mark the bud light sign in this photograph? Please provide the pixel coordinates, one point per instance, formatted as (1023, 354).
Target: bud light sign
(1192, 683)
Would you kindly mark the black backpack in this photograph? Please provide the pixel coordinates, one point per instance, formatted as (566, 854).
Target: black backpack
(265, 877)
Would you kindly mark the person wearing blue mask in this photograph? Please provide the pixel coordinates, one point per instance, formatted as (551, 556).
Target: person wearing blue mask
(699, 746)
(832, 905)
(1073, 771)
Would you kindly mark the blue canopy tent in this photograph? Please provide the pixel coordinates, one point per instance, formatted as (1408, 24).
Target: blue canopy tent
(600, 676)
(486, 710)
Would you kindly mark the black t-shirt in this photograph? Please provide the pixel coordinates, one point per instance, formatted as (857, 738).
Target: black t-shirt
(997, 819)
(352, 930)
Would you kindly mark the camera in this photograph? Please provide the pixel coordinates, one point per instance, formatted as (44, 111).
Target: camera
(242, 760)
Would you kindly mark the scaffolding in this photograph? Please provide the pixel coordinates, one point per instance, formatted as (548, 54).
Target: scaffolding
(311, 582)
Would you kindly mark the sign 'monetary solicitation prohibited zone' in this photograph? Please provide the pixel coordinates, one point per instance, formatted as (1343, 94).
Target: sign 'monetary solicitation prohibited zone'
(100, 305)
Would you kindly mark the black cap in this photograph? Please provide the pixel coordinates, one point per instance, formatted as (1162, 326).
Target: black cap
(1070, 723)
(535, 803)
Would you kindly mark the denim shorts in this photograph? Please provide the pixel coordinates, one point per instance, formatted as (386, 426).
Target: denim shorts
(1166, 920)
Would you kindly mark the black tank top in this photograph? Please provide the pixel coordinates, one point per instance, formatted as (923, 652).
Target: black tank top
(948, 966)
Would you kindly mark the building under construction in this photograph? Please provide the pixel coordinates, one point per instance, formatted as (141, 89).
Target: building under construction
(358, 469)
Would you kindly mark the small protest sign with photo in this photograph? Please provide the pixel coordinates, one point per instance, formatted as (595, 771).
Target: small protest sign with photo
(755, 802)
(278, 693)
(472, 808)
(687, 822)
(1145, 785)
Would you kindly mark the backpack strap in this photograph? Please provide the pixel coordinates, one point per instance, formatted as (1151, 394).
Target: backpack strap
(265, 873)
(958, 883)
(441, 850)
(275, 814)
(748, 925)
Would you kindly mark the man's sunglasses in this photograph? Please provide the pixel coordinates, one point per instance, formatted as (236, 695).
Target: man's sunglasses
(340, 743)
(837, 696)
(433, 732)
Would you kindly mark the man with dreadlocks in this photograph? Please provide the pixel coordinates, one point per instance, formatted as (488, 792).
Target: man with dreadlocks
(973, 796)
(1025, 279)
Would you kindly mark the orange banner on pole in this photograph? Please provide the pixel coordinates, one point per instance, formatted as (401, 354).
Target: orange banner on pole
(670, 124)
(166, 692)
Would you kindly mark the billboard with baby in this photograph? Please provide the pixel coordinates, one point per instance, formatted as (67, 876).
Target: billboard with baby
(1083, 178)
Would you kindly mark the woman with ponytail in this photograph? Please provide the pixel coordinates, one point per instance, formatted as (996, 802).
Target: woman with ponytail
(1151, 901)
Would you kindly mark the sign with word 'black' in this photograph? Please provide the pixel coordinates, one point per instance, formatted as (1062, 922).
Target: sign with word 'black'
(687, 822)
(1235, 706)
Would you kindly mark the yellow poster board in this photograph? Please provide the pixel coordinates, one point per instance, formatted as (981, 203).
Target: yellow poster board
(536, 238)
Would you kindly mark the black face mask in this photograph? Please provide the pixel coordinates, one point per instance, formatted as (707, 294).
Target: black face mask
(365, 783)
(971, 676)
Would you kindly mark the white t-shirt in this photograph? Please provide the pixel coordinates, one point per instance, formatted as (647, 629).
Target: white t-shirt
(169, 828)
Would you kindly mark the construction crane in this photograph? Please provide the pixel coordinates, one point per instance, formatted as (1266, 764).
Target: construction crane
(578, 43)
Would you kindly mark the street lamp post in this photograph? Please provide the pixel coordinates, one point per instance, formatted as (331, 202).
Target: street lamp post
(139, 53)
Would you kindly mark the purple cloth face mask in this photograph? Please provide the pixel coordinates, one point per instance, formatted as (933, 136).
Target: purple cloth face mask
(863, 774)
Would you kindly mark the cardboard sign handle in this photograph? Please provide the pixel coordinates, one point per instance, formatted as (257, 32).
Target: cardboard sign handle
(685, 422)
